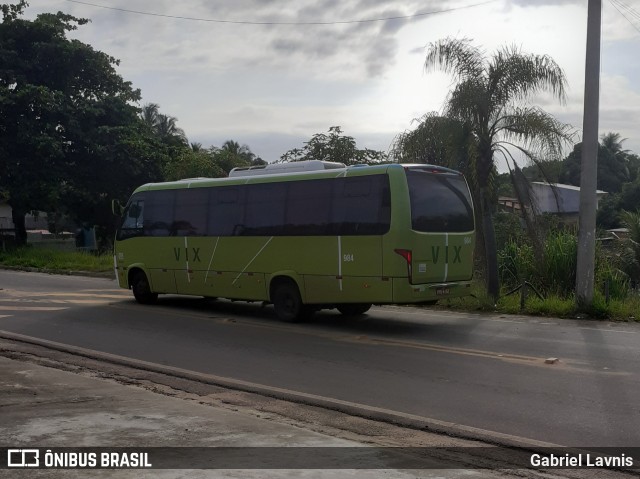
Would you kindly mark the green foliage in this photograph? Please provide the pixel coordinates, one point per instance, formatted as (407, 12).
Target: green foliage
(437, 140)
(552, 305)
(333, 146)
(13, 11)
(164, 127)
(608, 209)
(70, 138)
(546, 170)
(516, 263)
(629, 248)
(192, 164)
(555, 274)
(607, 275)
(613, 170)
(558, 272)
(508, 228)
(232, 155)
(52, 260)
(630, 196)
(598, 309)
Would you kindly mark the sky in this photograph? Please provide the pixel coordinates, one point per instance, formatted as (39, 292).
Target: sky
(285, 70)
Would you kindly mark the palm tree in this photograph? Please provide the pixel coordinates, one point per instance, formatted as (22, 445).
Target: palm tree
(613, 143)
(168, 131)
(149, 114)
(243, 152)
(491, 98)
(437, 140)
(163, 126)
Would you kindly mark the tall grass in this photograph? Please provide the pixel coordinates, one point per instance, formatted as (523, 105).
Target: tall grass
(516, 263)
(555, 277)
(558, 269)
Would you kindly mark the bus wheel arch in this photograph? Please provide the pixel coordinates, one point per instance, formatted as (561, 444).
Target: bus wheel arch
(285, 295)
(140, 286)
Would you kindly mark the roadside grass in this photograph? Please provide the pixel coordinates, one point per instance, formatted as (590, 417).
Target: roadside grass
(52, 260)
(627, 309)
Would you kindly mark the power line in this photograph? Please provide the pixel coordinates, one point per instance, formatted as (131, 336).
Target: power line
(247, 22)
(628, 9)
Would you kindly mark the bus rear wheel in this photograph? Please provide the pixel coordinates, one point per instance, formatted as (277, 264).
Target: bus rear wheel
(142, 290)
(288, 303)
(354, 309)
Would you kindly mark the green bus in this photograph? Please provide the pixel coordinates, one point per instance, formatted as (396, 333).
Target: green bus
(302, 237)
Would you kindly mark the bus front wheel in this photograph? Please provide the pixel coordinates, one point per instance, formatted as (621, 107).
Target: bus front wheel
(354, 309)
(142, 290)
(288, 303)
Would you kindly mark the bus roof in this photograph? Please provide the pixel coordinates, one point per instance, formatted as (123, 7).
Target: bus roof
(332, 172)
(287, 167)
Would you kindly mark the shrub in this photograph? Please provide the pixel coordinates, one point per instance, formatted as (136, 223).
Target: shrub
(516, 264)
(558, 271)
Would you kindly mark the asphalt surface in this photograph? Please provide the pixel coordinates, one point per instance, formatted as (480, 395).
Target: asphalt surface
(486, 372)
(53, 400)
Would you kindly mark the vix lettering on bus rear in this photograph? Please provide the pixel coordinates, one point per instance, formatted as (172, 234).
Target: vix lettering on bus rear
(435, 254)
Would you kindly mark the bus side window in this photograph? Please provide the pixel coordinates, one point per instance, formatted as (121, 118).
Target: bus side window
(159, 214)
(359, 206)
(190, 218)
(308, 208)
(226, 211)
(265, 206)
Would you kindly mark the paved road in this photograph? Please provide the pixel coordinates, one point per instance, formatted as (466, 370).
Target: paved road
(479, 371)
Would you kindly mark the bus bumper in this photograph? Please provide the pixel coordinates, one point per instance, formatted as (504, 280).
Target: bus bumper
(404, 292)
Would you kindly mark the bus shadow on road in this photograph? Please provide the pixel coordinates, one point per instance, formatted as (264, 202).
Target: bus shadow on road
(386, 324)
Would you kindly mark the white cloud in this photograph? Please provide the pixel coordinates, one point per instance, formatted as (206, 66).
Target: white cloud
(279, 84)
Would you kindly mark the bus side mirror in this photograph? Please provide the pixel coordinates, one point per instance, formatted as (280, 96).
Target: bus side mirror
(116, 208)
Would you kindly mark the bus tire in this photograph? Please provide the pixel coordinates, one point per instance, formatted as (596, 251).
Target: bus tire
(354, 309)
(288, 303)
(141, 289)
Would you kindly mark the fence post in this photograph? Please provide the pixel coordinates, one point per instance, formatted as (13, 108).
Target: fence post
(523, 295)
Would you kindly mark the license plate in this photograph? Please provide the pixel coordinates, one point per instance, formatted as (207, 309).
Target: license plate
(442, 291)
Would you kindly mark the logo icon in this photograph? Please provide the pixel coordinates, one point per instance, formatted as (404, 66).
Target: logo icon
(23, 458)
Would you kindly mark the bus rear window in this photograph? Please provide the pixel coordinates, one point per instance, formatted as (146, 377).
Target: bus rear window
(440, 202)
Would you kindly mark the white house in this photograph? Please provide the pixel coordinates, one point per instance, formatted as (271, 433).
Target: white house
(559, 198)
(553, 198)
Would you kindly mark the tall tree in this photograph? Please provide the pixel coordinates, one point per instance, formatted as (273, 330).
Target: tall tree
(65, 117)
(491, 96)
(613, 164)
(243, 152)
(333, 146)
(192, 163)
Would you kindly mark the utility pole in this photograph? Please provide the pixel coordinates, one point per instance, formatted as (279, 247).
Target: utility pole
(589, 161)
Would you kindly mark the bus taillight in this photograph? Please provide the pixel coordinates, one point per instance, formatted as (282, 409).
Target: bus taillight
(407, 255)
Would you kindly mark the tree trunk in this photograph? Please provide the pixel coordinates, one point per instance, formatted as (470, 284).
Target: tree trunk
(17, 215)
(490, 247)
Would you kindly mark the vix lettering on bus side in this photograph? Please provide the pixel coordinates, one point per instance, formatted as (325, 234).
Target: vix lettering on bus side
(435, 254)
(193, 256)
